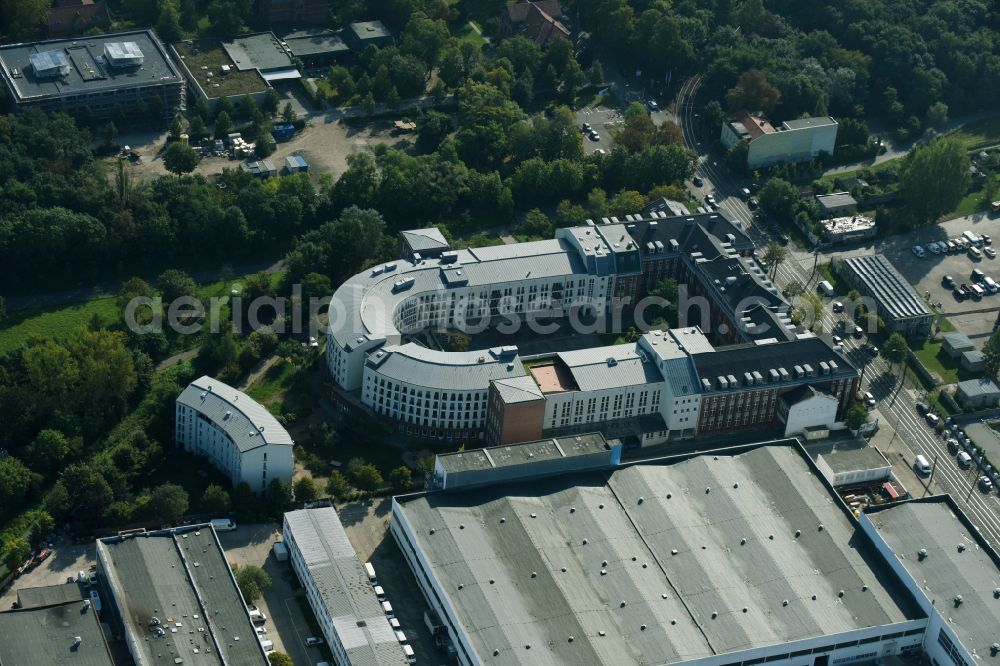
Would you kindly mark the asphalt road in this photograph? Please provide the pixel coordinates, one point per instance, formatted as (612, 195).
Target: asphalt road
(898, 404)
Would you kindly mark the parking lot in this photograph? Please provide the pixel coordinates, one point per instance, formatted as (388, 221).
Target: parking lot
(289, 620)
(66, 560)
(603, 120)
(367, 526)
(973, 317)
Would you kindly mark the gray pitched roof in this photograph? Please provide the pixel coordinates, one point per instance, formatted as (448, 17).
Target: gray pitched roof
(957, 340)
(538, 551)
(343, 586)
(880, 280)
(614, 366)
(247, 422)
(430, 238)
(981, 386)
(518, 389)
(947, 572)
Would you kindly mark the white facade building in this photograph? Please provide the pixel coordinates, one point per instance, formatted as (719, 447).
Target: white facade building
(236, 433)
(339, 591)
(795, 141)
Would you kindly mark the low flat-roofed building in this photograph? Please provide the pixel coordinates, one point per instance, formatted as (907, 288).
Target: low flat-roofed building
(854, 465)
(952, 572)
(956, 343)
(85, 72)
(235, 432)
(48, 595)
(836, 203)
(176, 600)
(317, 48)
(897, 303)
(736, 556)
(973, 361)
(978, 393)
(262, 52)
(494, 464)
(64, 633)
(361, 34)
(338, 589)
(850, 228)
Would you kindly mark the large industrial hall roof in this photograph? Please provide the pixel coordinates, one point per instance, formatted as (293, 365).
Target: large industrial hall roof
(653, 563)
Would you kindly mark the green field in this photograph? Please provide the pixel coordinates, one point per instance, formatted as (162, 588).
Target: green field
(285, 387)
(57, 322)
(466, 33)
(978, 133)
(935, 360)
(210, 55)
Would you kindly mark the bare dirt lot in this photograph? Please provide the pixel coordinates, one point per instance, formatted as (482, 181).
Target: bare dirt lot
(324, 144)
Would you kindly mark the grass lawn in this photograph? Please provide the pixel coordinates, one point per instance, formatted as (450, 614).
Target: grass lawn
(981, 132)
(830, 276)
(210, 55)
(61, 320)
(285, 388)
(935, 360)
(54, 322)
(467, 33)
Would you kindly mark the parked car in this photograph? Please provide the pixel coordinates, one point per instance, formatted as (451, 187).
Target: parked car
(932, 419)
(869, 399)
(594, 136)
(986, 240)
(698, 182)
(977, 275)
(953, 446)
(859, 332)
(948, 281)
(990, 252)
(710, 200)
(985, 484)
(752, 203)
(653, 106)
(933, 248)
(919, 251)
(587, 129)
(922, 408)
(313, 640)
(975, 254)
(837, 306)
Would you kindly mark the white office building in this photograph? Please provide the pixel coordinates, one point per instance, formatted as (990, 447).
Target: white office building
(236, 433)
(339, 591)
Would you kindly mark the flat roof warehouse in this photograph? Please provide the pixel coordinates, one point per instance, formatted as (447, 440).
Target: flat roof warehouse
(654, 563)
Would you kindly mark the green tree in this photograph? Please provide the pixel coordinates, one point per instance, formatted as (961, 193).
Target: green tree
(367, 477)
(279, 659)
(753, 92)
(894, 350)
(23, 18)
(180, 158)
(174, 283)
(88, 493)
(51, 449)
(667, 291)
(368, 104)
(43, 524)
(3, 308)
(937, 115)
(288, 113)
(774, 254)
(223, 125)
(991, 350)
(536, 223)
(168, 502)
(17, 550)
(110, 136)
(168, 25)
(252, 581)
(779, 198)
(279, 496)
(215, 500)
(401, 478)
(934, 178)
(337, 485)
(306, 490)
(189, 15)
(271, 103)
(16, 480)
(857, 416)
(197, 129)
(625, 203)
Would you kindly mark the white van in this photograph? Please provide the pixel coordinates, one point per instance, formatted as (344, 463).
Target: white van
(401, 637)
(410, 657)
(387, 608)
(379, 593)
(977, 291)
(991, 285)
(921, 466)
(267, 645)
(256, 616)
(370, 570)
(964, 460)
(825, 288)
(223, 525)
(974, 253)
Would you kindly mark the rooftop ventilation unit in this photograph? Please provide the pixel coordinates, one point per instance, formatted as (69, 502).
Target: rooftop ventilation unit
(659, 247)
(674, 245)
(723, 382)
(612, 361)
(799, 372)
(123, 54)
(732, 380)
(758, 378)
(747, 379)
(824, 368)
(774, 375)
(449, 257)
(833, 366)
(784, 374)
(706, 385)
(49, 64)
(808, 370)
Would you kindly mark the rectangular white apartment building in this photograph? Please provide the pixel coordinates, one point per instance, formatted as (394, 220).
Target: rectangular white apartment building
(236, 433)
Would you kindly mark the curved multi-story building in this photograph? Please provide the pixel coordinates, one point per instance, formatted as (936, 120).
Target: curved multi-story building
(235, 432)
(652, 389)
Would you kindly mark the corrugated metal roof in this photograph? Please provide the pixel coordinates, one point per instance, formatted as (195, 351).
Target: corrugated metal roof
(981, 386)
(458, 371)
(518, 389)
(880, 280)
(246, 421)
(581, 557)
(343, 587)
(599, 368)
